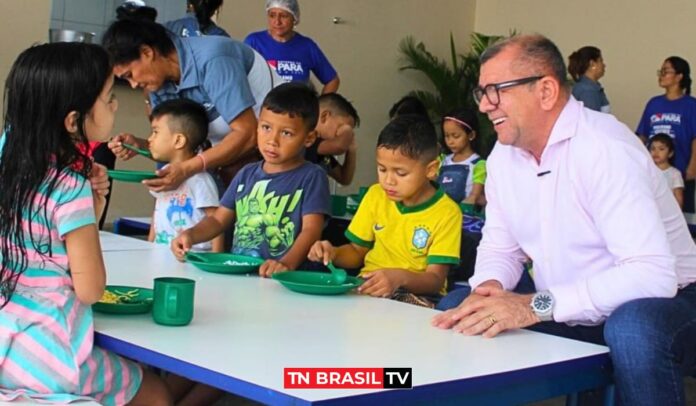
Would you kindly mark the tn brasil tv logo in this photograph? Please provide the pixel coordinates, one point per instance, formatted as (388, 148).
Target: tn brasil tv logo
(347, 378)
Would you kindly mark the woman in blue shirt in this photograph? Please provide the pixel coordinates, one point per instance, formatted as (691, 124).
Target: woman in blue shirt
(222, 74)
(289, 53)
(586, 66)
(198, 20)
(674, 113)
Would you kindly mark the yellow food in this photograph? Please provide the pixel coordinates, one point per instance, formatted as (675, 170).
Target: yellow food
(117, 297)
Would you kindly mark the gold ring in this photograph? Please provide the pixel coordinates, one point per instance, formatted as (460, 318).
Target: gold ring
(492, 319)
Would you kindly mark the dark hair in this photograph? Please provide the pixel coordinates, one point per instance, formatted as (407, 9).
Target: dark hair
(469, 117)
(537, 53)
(412, 135)
(124, 38)
(339, 105)
(46, 83)
(681, 67)
(408, 105)
(579, 61)
(294, 99)
(663, 138)
(204, 10)
(134, 12)
(186, 117)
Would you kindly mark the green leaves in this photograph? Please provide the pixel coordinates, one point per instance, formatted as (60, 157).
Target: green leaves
(452, 80)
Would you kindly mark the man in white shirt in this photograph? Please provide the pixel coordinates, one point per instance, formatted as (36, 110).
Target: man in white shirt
(577, 193)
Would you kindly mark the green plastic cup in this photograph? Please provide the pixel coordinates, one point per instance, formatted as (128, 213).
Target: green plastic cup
(338, 205)
(173, 301)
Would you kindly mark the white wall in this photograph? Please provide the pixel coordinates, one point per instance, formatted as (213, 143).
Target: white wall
(635, 37)
(364, 51)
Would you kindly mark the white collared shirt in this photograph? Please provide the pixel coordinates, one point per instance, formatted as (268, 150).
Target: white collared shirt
(601, 226)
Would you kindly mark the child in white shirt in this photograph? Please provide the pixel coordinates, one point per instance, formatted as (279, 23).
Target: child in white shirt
(179, 127)
(662, 150)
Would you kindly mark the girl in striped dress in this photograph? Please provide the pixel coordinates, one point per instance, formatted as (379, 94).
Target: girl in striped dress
(58, 97)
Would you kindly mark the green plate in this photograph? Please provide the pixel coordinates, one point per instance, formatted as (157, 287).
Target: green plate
(315, 283)
(140, 301)
(130, 176)
(220, 262)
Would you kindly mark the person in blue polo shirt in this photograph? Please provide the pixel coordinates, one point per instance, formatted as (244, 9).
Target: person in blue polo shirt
(198, 20)
(289, 53)
(227, 77)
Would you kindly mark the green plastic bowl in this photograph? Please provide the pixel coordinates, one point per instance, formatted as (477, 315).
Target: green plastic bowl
(130, 176)
(221, 262)
(315, 283)
(141, 301)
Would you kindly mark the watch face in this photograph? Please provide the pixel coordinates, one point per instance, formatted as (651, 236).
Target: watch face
(542, 302)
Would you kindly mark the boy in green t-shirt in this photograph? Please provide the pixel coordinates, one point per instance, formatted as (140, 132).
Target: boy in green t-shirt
(406, 232)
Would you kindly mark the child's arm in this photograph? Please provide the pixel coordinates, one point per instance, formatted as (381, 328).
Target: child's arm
(679, 195)
(479, 174)
(343, 173)
(475, 195)
(116, 145)
(312, 225)
(99, 180)
(205, 230)
(337, 145)
(346, 256)
(218, 243)
(86, 263)
(384, 282)
(151, 233)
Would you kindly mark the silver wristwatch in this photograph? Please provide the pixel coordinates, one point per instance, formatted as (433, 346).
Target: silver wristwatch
(542, 305)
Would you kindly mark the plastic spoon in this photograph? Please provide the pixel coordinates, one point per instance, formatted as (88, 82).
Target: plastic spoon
(140, 151)
(339, 275)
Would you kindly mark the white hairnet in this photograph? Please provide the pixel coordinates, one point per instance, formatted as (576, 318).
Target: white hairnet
(138, 3)
(291, 6)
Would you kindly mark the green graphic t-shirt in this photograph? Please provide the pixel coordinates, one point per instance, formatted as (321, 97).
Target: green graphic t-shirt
(269, 207)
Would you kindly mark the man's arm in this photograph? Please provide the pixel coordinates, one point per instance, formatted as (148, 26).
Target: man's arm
(643, 264)
(499, 256)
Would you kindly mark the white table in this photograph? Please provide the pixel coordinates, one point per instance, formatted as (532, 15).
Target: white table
(247, 329)
(114, 242)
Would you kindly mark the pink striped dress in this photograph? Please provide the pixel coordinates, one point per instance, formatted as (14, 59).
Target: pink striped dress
(47, 351)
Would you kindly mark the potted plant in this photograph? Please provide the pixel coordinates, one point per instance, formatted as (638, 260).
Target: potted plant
(453, 82)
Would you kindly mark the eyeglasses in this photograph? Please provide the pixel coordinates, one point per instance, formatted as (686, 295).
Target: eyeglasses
(491, 90)
(665, 72)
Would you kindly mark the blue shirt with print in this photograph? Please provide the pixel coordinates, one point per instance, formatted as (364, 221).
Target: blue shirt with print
(294, 59)
(269, 207)
(676, 118)
(213, 73)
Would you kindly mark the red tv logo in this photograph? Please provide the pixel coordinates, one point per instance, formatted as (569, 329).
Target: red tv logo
(347, 378)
